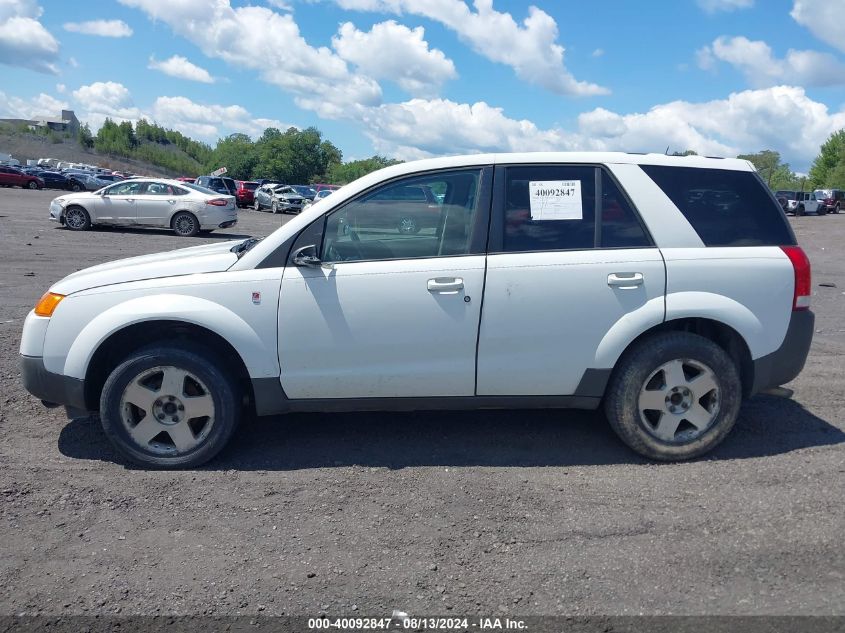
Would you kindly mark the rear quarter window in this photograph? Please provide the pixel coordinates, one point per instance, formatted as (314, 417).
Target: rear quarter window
(725, 207)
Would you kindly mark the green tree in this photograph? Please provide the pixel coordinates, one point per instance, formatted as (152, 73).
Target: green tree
(828, 170)
(294, 156)
(86, 139)
(237, 153)
(344, 173)
(776, 174)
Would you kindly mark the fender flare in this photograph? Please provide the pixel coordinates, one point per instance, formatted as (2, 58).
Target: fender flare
(259, 356)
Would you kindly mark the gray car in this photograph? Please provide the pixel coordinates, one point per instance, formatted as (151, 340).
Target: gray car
(278, 198)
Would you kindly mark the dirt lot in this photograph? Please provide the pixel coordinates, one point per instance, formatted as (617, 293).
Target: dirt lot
(432, 513)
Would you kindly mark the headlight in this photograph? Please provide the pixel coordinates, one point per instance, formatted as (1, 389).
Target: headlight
(47, 304)
(59, 200)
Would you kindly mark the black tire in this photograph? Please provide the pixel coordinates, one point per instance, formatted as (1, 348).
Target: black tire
(799, 211)
(821, 210)
(639, 364)
(32, 185)
(256, 205)
(275, 208)
(116, 418)
(75, 186)
(836, 208)
(185, 224)
(77, 219)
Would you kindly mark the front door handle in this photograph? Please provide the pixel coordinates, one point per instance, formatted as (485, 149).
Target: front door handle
(625, 281)
(130, 200)
(447, 285)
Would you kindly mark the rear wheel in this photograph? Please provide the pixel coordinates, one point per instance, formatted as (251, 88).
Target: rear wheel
(256, 206)
(77, 219)
(75, 186)
(32, 185)
(185, 224)
(674, 396)
(169, 407)
(799, 211)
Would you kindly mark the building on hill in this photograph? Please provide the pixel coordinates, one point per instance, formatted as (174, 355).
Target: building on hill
(67, 122)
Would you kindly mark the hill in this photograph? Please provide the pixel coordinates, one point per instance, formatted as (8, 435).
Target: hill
(24, 145)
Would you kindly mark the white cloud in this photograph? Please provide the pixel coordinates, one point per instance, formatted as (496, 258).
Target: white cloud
(280, 4)
(531, 48)
(18, 108)
(61, 88)
(24, 41)
(103, 99)
(823, 18)
(208, 121)
(599, 52)
(761, 68)
(744, 122)
(178, 66)
(714, 6)
(271, 44)
(103, 28)
(395, 52)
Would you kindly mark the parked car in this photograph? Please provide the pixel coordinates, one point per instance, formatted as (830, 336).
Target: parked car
(414, 207)
(321, 186)
(278, 198)
(54, 180)
(833, 200)
(323, 193)
(245, 194)
(219, 184)
(527, 294)
(14, 177)
(305, 191)
(800, 202)
(185, 208)
(187, 179)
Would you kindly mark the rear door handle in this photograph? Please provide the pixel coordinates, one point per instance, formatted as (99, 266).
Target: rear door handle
(448, 285)
(625, 281)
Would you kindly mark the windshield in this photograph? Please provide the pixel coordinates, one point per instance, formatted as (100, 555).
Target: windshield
(824, 193)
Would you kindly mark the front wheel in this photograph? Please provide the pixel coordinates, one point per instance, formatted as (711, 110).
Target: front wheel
(77, 219)
(32, 184)
(256, 206)
(674, 396)
(185, 224)
(799, 211)
(275, 208)
(169, 407)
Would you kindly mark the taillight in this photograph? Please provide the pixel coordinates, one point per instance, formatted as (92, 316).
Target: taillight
(801, 267)
(217, 202)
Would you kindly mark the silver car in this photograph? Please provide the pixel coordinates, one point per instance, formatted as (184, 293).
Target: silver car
(278, 198)
(185, 208)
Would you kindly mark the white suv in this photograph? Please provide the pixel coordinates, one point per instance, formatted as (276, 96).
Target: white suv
(664, 289)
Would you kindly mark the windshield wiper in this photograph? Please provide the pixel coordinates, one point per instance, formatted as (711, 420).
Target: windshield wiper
(242, 247)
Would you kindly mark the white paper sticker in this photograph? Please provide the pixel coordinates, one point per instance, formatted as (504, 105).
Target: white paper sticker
(556, 200)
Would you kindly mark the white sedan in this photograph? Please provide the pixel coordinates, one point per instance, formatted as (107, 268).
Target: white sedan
(185, 208)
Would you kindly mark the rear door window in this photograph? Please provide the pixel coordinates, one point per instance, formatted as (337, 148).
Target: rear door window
(725, 207)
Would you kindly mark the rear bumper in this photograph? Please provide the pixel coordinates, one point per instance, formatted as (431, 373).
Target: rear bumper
(49, 387)
(785, 363)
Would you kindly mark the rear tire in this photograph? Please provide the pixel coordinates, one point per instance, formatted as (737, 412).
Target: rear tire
(77, 219)
(32, 185)
(799, 211)
(147, 402)
(185, 224)
(673, 396)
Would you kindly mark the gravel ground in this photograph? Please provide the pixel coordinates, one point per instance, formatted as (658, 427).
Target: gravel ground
(506, 512)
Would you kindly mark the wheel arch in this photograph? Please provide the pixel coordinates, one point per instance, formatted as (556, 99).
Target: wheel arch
(725, 336)
(123, 342)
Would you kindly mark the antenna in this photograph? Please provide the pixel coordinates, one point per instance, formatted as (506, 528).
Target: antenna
(667, 150)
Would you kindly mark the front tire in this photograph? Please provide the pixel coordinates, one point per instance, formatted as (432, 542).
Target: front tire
(674, 396)
(275, 208)
(169, 407)
(77, 219)
(185, 224)
(32, 185)
(256, 206)
(799, 211)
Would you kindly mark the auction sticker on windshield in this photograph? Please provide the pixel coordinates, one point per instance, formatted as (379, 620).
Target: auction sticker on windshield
(555, 200)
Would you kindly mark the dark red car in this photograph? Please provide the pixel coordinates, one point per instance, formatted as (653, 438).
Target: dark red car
(11, 177)
(245, 193)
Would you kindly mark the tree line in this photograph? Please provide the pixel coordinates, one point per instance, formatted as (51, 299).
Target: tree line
(293, 156)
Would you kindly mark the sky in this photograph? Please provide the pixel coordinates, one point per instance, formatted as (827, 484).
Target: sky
(417, 78)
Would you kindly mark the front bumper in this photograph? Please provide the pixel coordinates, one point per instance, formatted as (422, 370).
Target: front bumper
(52, 388)
(785, 363)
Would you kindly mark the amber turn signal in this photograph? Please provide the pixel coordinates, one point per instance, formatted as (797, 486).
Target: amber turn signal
(47, 304)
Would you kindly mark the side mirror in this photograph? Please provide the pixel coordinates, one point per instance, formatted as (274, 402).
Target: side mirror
(306, 256)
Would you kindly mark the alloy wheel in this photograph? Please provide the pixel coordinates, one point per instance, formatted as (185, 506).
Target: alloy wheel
(167, 411)
(679, 401)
